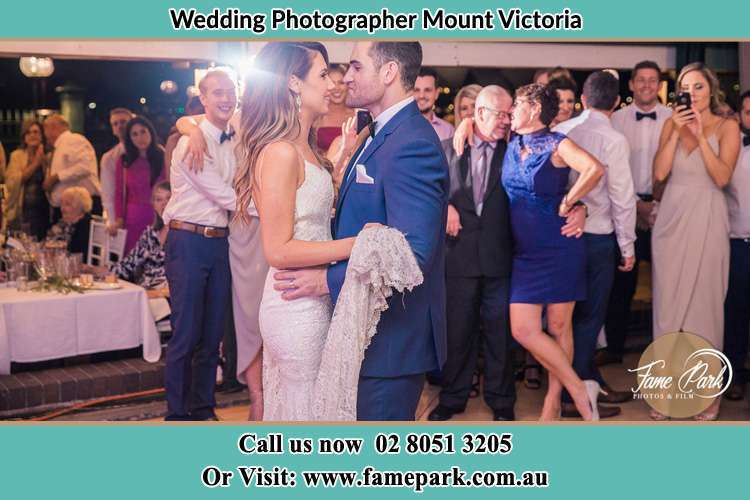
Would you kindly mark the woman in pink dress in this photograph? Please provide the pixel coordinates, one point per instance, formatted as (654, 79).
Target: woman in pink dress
(329, 126)
(138, 170)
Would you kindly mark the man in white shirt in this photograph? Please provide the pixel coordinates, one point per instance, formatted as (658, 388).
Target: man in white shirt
(610, 225)
(641, 124)
(73, 164)
(197, 255)
(118, 120)
(737, 304)
(426, 92)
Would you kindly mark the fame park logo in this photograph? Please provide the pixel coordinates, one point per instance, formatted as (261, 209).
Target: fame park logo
(680, 374)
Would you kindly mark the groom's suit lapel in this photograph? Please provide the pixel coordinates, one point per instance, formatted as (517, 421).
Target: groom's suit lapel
(390, 127)
(378, 141)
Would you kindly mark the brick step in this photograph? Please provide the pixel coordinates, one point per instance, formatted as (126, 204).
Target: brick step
(37, 391)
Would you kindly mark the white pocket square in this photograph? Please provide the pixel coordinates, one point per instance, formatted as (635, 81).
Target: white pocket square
(362, 177)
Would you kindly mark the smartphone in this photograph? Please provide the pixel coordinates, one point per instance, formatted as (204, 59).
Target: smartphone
(683, 99)
(363, 119)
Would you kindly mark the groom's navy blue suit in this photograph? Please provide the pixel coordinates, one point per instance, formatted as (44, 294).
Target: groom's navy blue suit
(409, 192)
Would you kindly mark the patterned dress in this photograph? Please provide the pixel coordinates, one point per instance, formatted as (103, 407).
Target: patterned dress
(144, 264)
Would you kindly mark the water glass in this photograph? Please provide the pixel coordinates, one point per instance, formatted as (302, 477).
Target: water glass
(22, 284)
(75, 261)
(61, 265)
(19, 272)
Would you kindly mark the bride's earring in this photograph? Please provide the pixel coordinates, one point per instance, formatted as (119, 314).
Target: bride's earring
(298, 101)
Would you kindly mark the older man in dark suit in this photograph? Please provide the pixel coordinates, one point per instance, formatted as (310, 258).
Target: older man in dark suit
(478, 263)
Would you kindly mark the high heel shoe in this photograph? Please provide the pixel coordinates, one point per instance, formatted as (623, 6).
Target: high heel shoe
(593, 389)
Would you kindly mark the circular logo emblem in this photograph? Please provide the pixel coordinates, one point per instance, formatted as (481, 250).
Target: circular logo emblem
(680, 374)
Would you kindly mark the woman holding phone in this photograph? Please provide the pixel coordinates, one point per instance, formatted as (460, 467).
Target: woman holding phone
(697, 152)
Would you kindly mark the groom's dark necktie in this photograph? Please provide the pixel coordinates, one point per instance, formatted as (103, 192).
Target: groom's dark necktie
(746, 141)
(371, 129)
(640, 116)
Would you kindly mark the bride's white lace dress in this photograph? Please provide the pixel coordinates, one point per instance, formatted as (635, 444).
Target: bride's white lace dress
(310, 373)
(294, 332)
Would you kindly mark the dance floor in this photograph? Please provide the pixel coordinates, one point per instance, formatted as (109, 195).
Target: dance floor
(529, 402)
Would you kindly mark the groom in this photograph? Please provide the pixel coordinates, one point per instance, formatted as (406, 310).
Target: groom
(397, 177)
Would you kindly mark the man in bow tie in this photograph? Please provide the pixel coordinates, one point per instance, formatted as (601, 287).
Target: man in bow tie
(737, 304)
(641, 124)
(197, 255)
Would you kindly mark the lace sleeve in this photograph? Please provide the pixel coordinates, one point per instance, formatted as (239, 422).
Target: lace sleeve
(381, 262)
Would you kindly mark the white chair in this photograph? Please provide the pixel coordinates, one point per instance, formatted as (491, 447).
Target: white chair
(103, 247)
(97, 244)
(161, 310)
(116, 248)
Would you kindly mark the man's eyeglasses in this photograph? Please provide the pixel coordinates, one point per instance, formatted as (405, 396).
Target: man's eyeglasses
(496, 113)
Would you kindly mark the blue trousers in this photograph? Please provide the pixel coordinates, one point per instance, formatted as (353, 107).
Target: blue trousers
(380, 399)
(589, 315)
(200, 286)
(737, 309)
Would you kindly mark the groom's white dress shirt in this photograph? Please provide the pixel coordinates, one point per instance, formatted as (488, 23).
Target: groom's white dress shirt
(380, 121)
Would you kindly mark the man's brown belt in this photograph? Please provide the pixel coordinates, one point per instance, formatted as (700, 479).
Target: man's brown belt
(206, 231)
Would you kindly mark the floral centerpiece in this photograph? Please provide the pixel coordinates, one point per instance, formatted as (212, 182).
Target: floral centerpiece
(55, 275)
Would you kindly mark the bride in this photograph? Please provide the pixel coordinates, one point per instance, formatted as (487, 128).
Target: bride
(282, 175)
(291, 186)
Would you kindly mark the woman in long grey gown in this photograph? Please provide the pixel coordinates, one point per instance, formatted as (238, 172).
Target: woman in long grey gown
(690, 241)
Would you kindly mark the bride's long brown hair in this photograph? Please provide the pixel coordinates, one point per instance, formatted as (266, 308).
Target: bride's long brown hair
(269, 112)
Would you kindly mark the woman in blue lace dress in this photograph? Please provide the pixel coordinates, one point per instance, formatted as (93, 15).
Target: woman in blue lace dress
(548, 268)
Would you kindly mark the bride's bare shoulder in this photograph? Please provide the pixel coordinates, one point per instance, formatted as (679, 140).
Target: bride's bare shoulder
(279, 152)
(280, 159)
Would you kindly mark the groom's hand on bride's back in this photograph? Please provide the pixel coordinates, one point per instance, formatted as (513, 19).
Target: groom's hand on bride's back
(295, 284)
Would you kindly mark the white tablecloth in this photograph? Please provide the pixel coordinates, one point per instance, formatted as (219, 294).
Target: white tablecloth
(38, 326)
